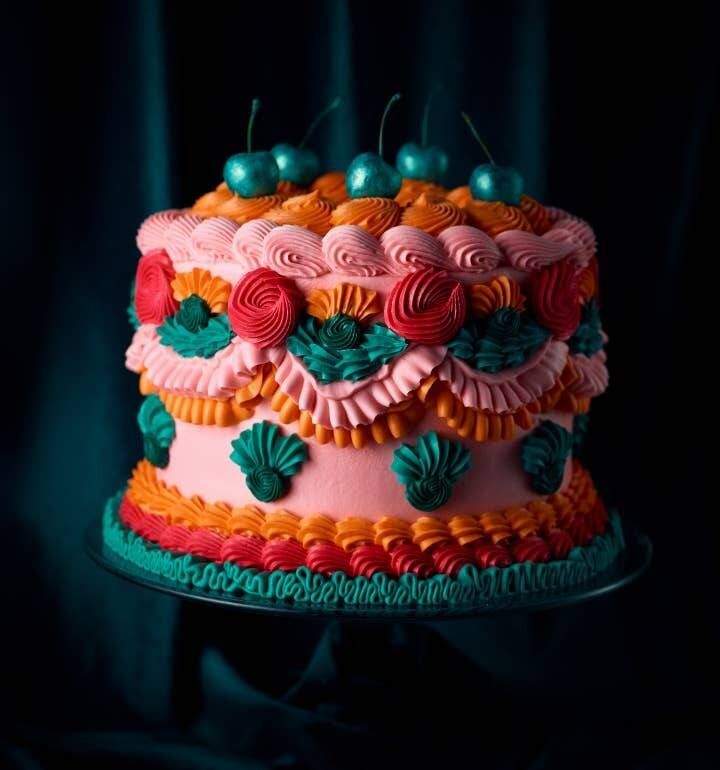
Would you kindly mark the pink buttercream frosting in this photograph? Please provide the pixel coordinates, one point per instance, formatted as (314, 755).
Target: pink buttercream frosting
(151, 234)
(144, 339)
(351, 250)
(178, 237)
(346, 482)
(408, 249)
(294, 251)
(592, 374)
(247, 245)
(470, 249)
(530, 252)
(212, 239)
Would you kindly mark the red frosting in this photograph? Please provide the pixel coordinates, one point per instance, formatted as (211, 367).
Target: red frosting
(327, 558)
(555, 297)
(580, 529)
(598, 517)
(492, 555)
(366, 560)
(408, 557)
(263, 307)
(283, 554)
(560, 543)
(244, 551)
(427, 306)
(450, 558)
(154, 299)
(531, 548)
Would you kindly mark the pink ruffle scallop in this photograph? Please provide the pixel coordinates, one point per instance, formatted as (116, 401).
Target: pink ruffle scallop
(143, 339)
(247, 245)
(211, 240)
(592, 379)
(295, 252)
(469, 249)
(351, 250)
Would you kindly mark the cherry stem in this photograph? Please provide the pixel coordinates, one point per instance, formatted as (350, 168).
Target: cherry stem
(479, 140)
(253, 112)
(426, 118)
(394, 98)
(334, 104)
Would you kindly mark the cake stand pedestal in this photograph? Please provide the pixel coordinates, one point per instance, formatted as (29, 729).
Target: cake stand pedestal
(633, 562)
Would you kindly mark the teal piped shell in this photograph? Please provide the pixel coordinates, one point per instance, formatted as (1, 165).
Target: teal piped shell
(543, 454)
(430, 469)
(268, 459)
(587, 339)
(326, 352)
(203, 342)
(504, 339)
(158, 429)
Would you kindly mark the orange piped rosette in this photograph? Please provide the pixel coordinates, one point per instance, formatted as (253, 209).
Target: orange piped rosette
(433, 214)
(205, 205)
(213, 289)
(376, 215)
(536, 214)
(411, 189)
(352, 300)
(460, 196)
(495, 217)
(223, 203)
(332, 187)
(287, 189)
(310, 210)
(502, 291)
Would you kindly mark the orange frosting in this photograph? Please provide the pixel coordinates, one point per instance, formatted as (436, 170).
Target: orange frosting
(310, 210)
(501, 291)
(587, 284)
(288, 189)
(460, 196)
(495, 217)
(433, 214)
(332, 187)
(243, 209)
(376, 215)
(347, 298)
(205, 205)
(213, 289)
(410, 189)
(536, 214)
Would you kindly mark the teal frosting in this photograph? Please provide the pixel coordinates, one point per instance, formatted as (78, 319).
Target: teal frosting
(318, 348)
(472, 586)
(504, 339)
(131, 312)
(158, 429)
(430, 469)
(543, 454)
(268, 459)
(203, 342)
(587, 339)
(581, 423)
(193, 313)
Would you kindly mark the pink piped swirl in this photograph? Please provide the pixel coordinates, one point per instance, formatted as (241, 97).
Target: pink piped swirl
(247, 245)
(427, 306)
(592, 379)
(470, 249)
(154, 299)
(212, 239)
(263, 307)
(408, 249)
(577, 233)
(151, 234)
(351, 250)
(530, 252)
(178, 237)
(555, 297)
(294, 251)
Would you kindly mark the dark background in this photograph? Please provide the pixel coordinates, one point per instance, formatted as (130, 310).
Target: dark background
(120, 109)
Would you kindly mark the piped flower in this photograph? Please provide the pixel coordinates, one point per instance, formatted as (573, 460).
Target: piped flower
(186, 335)
(154, 299)
(543, 454)
(268, 459)
(430, 469)
(201, 283)
(158, 430)
(500, 292)
(351, 300)
(555, 298)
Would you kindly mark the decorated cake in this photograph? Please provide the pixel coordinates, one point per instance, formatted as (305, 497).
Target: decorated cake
(363, 388)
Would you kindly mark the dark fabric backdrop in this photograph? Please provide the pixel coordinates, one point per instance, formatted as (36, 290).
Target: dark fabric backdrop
(120, 109)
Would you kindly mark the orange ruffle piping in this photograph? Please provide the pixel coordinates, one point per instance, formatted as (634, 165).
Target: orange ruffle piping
(536, 517)
(376, 215)
(213, 289)
(410, 189)
(310, 210)
(332, 187)
(501, 291)
(347, 298)
(433, 214)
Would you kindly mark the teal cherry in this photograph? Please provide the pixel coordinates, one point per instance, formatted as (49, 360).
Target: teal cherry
(249, 174)
(429, 164)
(490, 182)
(296, 164)
(368, 175)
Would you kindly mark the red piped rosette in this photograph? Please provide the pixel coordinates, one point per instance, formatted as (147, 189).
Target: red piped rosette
(555, 297)
(427, 307)
(263, 307)
(492, 555)
(154, 300)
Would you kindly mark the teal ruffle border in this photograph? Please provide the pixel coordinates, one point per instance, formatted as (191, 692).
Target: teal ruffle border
(471, 586)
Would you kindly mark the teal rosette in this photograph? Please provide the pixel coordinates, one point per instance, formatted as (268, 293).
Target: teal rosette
(268, 459)
(133, 319)
(193, 313)
(581, 422)
(203, 341)
(430, 469)
(158, 430)
(319, 348)
(502, 340)
(587, 339)
(543, 454)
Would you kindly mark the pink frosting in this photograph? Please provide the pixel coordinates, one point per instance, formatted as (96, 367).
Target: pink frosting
(346, 404)
(247, 246)
(470, 249)
(151, 234)
(294, 251)
(576, 231)
(530, 252)
(511, 389)
(347, 482)
(177, 238)
(211, 240)
(350, 250)
(144, 338)
(592, 374)
(408, 249)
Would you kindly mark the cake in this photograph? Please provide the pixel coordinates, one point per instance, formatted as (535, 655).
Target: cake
(355, 400)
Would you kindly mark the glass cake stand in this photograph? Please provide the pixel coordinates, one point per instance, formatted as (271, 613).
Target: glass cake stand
(631, 564)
